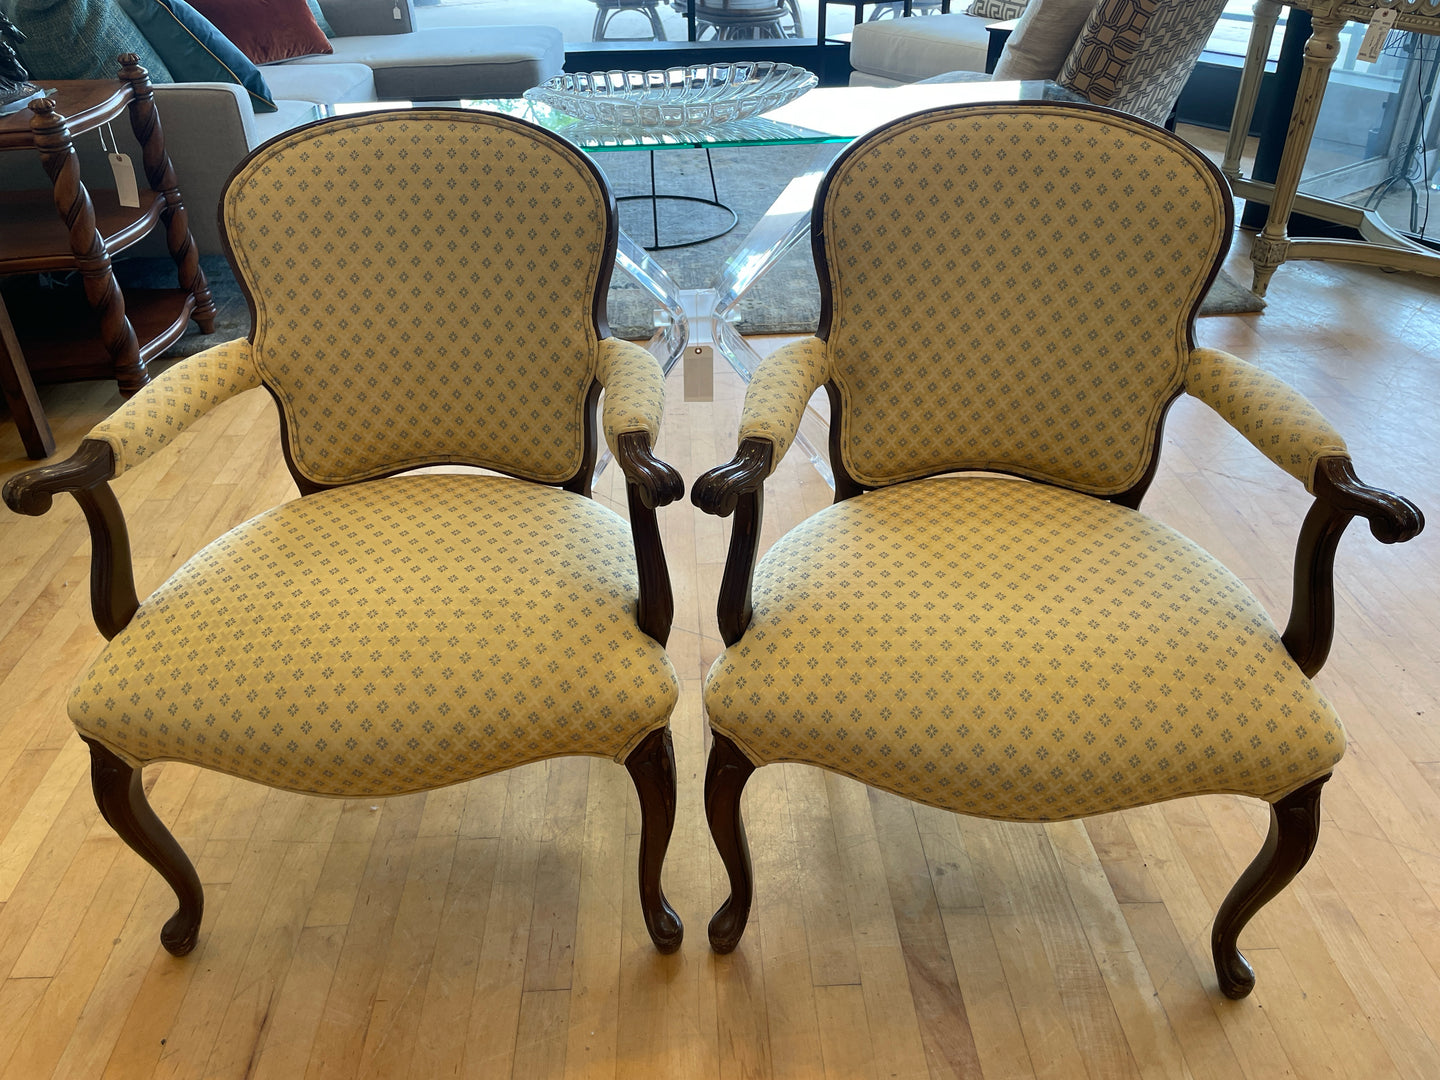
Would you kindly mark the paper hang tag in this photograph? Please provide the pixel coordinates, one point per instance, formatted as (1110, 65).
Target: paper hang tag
(396, 12)
(1381, 23)
(125, 185)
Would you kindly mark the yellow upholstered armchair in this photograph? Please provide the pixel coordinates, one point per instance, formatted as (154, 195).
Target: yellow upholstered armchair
(427, 288)
(1012, 290)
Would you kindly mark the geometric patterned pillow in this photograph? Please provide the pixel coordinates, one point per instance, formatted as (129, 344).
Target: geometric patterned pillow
(997, 9)
(1136, 55)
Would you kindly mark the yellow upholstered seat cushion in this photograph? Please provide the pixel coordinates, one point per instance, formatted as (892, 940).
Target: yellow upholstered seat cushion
(386, 637)
(1015, 651)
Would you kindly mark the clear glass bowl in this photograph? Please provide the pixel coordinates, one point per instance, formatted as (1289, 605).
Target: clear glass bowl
(694, 96)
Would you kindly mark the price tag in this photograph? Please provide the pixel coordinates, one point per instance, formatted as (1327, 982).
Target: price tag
(125, 186)
(126, 189)
(1381, 23)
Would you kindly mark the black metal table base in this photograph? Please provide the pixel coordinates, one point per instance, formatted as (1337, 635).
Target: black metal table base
(656, 199)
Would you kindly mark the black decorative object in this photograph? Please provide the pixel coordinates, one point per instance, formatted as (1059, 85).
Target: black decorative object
(15, 86)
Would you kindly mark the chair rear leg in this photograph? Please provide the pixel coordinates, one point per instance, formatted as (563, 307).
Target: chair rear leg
(652, 768)
(725, 777)
(1294, 828)
(121, 798)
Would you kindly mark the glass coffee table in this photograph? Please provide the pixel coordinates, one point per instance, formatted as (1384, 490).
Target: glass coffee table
(697, 322)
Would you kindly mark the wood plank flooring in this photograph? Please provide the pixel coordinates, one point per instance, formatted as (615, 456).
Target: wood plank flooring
(493, 929)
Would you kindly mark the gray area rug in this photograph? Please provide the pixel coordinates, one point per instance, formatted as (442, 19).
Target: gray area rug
(786, 300)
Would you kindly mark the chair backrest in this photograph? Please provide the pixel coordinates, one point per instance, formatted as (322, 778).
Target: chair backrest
(740, 14)
(1136, 55)
(428, 287)
(1013, 288)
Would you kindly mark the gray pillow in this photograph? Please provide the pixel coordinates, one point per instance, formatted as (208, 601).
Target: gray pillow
(1042, 40)
(79, 39)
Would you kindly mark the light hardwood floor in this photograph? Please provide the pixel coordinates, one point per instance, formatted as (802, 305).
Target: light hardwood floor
(493, 929)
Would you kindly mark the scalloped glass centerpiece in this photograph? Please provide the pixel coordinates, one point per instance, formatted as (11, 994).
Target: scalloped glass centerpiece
(694, 96)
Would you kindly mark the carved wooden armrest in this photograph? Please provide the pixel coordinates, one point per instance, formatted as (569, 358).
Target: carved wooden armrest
(131, 434)
(774, 405)
(649, 483)
(656, 483)
(738, 488)
(634, 401)
(86, 475)
(1339, 497)
(719, 491)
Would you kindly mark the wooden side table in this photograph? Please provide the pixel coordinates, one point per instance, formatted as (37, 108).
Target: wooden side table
(63, 229)
(1380, 245)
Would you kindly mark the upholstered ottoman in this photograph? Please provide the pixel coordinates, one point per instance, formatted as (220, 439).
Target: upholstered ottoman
(888, 52)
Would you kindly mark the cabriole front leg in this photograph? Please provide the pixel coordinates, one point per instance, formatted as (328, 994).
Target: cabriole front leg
(725, 777)
(1294, 828)
(652, 768)
(121, 798)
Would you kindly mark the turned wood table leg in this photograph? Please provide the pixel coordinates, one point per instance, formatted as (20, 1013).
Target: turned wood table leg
(57, 153)
(160, 175)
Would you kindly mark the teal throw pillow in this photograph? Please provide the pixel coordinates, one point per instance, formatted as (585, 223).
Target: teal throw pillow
(194, 50)
(79, 39)
(320, 20)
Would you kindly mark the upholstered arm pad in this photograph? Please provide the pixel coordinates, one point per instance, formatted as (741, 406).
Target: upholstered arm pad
(173, 402)
(1277, 419)
(634, 390)
(784, 382)
(634, 401)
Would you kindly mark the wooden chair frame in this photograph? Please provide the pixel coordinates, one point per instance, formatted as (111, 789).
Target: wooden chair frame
(650, 484)
(737, 488)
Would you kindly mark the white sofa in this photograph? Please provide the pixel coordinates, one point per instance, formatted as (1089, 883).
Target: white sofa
(210, 127)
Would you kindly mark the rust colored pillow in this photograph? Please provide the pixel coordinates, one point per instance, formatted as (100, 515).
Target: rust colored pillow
(266, 30)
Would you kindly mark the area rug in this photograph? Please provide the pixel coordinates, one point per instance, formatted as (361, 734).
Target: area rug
(786, 300)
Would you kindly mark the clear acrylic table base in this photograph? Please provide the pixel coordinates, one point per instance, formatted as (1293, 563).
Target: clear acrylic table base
(705, 319)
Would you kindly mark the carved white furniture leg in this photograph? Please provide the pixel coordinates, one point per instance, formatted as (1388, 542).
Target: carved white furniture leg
(1379, 243)
(1262, 30)
(1273, 243)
